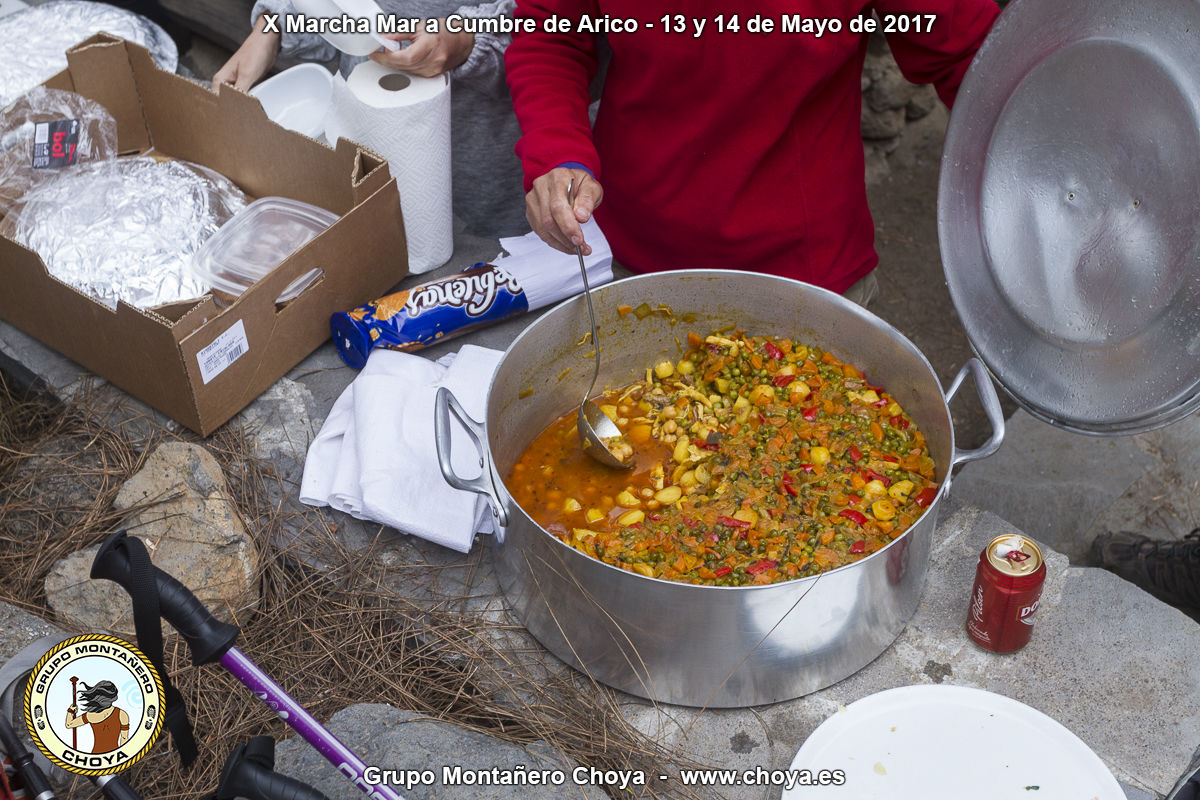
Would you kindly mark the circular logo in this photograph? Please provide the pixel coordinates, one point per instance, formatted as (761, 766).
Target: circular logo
(94, 705)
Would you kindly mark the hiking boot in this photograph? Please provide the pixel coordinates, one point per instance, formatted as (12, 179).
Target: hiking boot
(1169, 569)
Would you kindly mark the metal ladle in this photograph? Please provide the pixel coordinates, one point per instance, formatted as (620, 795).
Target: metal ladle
(599, 435)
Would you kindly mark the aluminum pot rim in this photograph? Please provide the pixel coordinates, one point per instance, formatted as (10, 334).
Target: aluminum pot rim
(826, 296)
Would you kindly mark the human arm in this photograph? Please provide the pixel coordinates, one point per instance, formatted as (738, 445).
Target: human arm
(941, 54)
(124, 718)
(72, 720)
(252, 60)
(247, 66)
(549, 76)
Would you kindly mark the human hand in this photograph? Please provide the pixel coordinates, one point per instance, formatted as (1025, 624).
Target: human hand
(428, 54)
(251, 61)
(555, 220)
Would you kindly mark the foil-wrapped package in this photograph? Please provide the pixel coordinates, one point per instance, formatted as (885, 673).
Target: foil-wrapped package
(46, 130)
(125, 229)
(34, 41)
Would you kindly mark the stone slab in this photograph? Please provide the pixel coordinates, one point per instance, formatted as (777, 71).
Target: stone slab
(1107, 661)
(394, 740)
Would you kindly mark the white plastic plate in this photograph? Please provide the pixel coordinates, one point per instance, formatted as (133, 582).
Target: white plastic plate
(934, 742)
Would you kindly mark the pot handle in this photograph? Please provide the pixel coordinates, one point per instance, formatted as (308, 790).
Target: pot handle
(986, 391)
(487, 483)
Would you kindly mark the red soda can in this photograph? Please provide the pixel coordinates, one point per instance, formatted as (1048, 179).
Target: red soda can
(1008, 587)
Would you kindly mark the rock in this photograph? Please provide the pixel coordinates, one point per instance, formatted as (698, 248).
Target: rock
(921, 144)
(882, 124)
(282, 422)
(194, 533)
(18, 629)
(390, 739)
(889, 88)
(924, 99)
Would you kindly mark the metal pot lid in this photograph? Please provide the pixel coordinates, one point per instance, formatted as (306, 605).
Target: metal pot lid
(1069, 210)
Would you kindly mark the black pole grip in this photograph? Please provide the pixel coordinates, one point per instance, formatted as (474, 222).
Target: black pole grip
(207, 637)
(114, 787)
(36, 785)
(248, 773)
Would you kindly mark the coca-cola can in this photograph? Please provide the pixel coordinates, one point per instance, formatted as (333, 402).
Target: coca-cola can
(1008, 587)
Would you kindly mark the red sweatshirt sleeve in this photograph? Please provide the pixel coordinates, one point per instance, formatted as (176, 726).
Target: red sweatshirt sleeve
(549, 75)
(941, 54)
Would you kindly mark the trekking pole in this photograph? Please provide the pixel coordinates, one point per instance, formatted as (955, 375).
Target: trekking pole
(123, 557)
(37, 787)
(249, 772)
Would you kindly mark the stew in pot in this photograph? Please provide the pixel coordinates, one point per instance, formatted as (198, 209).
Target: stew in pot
(758, 460)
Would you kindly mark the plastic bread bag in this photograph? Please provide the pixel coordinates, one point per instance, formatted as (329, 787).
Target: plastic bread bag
(46, 131)
(35, 41)
(125, 229)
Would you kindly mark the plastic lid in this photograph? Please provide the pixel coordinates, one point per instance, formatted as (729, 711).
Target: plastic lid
(355, 44)
(255, 241)
(1067, 210)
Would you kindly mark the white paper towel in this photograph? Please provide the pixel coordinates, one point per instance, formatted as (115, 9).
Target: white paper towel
(410, 127)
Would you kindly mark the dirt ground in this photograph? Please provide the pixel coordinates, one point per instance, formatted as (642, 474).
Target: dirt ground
(913, 294)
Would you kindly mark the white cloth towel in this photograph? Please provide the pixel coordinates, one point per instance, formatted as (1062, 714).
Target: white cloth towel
(375, 457)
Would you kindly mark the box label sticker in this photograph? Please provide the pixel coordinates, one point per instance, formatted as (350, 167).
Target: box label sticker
(225, 349)
(55, 143)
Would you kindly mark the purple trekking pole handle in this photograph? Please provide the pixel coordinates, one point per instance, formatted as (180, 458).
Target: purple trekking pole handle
(303, 722)
(210, 640)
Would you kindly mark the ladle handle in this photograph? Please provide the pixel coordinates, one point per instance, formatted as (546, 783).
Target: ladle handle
(487, 482)
(991, 407)
(587, 294)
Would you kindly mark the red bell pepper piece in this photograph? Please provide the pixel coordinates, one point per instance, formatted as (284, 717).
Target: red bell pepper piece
(872, 475)
(772, 351)
(854, 453)
(760, 566)
(808, 468)
(851, 514)
(733, 522)
(654, 517)
(890, 459)
(782, 380)
(881, 402)
(925, 496)
(721, 572)
(786, 481)
(858, 547)
(898, 422)
(705, 445)
(713, 536)
(809, 413)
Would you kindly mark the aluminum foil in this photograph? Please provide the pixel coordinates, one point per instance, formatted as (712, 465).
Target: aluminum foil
(97, 138)
(125, 229)
(34, 42)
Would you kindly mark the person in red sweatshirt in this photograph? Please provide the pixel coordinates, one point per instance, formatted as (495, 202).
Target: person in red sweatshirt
(716, 146)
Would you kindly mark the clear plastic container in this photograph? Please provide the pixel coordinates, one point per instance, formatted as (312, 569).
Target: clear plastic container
(255, 241)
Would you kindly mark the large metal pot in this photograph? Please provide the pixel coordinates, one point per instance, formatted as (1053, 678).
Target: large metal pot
(674, 642)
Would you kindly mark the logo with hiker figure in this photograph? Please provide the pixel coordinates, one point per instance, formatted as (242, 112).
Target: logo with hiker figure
(94, 705)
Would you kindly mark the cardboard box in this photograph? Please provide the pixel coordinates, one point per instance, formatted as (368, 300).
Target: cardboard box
(195, 362)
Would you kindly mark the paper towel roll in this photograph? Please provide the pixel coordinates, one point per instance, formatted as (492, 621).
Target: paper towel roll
(406, 119)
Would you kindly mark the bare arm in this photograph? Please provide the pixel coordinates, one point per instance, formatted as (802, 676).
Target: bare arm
(252, 60)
